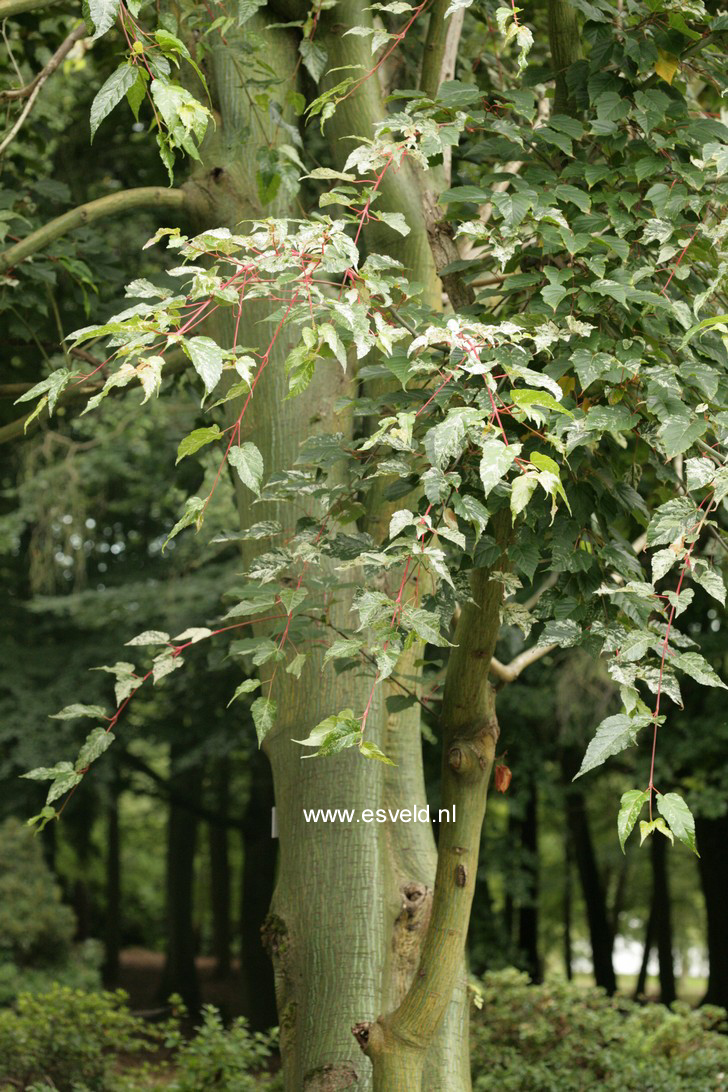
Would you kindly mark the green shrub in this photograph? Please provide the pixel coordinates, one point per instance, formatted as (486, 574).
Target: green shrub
(35, 929)
(67, 1039)
(81, 972)
(90, 1042)
(220, 1058)
(560, 1038)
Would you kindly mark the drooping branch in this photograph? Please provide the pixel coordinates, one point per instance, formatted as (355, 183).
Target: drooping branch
(34, 88)
(175, 362)
(111, 205)
(565, 45)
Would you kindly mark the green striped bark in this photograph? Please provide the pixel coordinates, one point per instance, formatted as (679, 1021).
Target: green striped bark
(351, 900)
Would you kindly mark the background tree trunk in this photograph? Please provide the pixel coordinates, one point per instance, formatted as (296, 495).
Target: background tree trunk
(220, 869)
(260, 853)
(600, 933)
(113, 917)
(663, 919)
(180, 973)
(712, 836)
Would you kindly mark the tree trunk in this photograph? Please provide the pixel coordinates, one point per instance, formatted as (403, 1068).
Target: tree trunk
(663, 919)
(641, 985)
(712, 836)
(600, 933)
(398, 1043)
(528, 913)
(260, 852)
(568, 908)
(349, 907)
(180, 973)
(565, 45)
(220, 870)
(112, 924)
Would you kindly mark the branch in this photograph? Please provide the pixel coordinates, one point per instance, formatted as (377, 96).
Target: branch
(9, 8)
(33, 89)
(397, 1043)
(176, 362)
(113, 203)
(508, 673)
(441, 46)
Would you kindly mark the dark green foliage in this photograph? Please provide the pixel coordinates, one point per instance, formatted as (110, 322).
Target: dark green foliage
(61, 1039)
(559, 1038)
(35, 929)
(72, 1041)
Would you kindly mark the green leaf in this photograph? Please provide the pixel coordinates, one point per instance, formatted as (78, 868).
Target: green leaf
(295, 667)
(73, 711)
(150, 637)
(678, 434)
(292, 598)
(52, 387)
(95, 744)
(678, 817)
(207, 358)
(522, 491)
(196, 440)
(111, 93)
(495, 462)
(315, 58)
(247, 686)
(137, 92)
(524, 399)
(646, 829)
(334, 734)
(395, 220)
(425, 624)
(43, 817)
(263, 711)
(194, 508)
(248, 462)
(698, 668)
(710, 579)
(48, 773)
(672, 521)
(103, 15)
(630, 806)
(612, 736)
(342, 649)
(370, 750)
(62, 785)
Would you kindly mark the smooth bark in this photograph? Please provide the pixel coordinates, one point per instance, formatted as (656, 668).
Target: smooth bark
(397, 1043)
(113, 204)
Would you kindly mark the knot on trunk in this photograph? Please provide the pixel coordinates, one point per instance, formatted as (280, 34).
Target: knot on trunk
(369, 1034)
(330, 1078)
(274, 936)
(473, 756)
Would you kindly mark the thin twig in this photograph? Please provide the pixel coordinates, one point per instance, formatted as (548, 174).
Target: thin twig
(33, 89)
